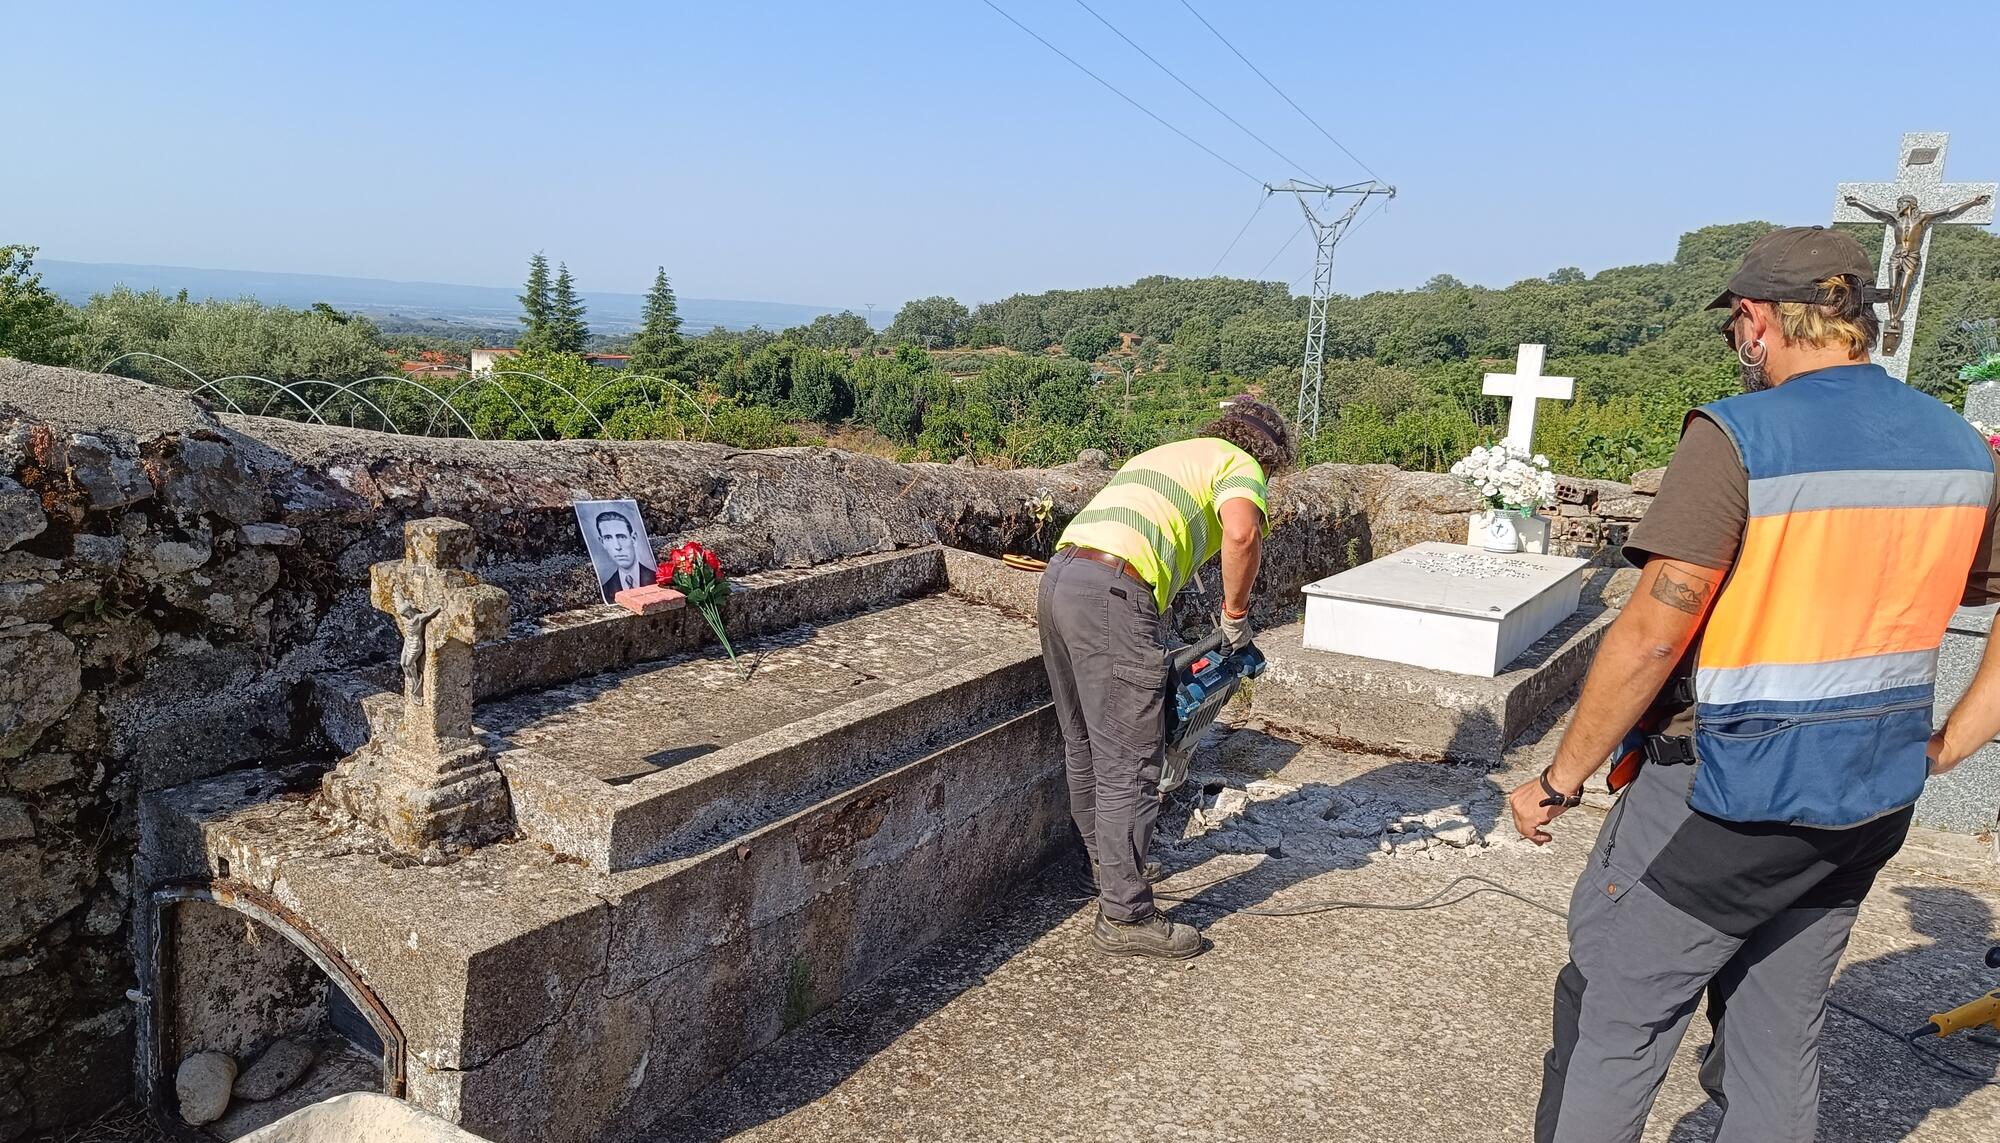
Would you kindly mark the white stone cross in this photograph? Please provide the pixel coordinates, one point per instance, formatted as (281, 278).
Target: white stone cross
(1524, 387)
(1910, 209)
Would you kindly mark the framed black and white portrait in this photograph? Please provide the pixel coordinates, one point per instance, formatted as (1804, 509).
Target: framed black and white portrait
(619, 549)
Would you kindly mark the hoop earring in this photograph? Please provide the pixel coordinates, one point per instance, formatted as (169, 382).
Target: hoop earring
(1744, 359)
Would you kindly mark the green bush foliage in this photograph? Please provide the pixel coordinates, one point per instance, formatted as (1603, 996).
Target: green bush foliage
(1402, 382)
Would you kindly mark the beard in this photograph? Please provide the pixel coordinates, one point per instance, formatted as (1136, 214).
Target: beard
(1754, 379)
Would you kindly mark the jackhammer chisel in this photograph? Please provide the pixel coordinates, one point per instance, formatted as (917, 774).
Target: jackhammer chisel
(1205, 677)
(1983, 1012)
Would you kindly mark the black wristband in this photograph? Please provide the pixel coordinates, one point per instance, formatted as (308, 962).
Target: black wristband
(1556, 797)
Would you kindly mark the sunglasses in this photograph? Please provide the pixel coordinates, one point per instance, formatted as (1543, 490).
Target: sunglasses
(1728, 327)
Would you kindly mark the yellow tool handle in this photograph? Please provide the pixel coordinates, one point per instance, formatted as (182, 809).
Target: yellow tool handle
(1985, 1010)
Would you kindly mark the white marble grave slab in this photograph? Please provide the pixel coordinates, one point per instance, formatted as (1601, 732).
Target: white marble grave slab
(1443, 606)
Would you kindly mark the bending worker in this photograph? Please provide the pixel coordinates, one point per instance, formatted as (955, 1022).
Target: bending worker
(1115, 572)
(1809, 543)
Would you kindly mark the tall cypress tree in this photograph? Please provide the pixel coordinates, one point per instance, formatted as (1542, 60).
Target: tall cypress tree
(567, 333)
(535, 311)
(657, 351)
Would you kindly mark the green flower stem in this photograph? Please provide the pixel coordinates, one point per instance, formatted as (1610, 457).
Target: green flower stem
(713, 614)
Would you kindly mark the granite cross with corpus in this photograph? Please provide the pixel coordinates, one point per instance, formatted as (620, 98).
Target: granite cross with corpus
(1523, 388)
(1910, 210)
(442, 610)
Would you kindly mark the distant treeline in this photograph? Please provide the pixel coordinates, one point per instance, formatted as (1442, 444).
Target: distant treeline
(1028, 379)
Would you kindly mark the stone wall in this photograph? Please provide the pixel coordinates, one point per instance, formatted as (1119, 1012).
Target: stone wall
(170, 579)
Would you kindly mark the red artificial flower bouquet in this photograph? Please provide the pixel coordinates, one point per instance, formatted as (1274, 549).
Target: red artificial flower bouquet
(697, 574)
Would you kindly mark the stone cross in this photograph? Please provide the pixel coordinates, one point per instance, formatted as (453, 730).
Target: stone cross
(430, 784)
(1523, 388)
(442, 610)
(1982, 404)
(1910, 209)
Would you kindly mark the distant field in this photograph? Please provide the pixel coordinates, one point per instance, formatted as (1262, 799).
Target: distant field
(436, 305)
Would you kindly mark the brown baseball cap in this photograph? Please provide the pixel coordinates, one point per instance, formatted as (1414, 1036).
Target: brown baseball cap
(1787, 265)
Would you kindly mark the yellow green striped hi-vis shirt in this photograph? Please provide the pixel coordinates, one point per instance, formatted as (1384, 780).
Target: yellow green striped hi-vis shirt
(1159, 513)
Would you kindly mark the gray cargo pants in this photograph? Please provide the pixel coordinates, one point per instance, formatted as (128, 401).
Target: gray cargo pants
(1671, 903)
(1107, 663)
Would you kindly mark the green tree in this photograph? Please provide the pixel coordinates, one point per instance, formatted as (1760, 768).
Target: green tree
(932, 322)
(217, 339)
(766, 378)
(1197, 345)
(1090, 342)
(536, 307)
(567, 331)
(35, 325)
(658, 350)
(820, 389)
(844, 330)
(1062, 400)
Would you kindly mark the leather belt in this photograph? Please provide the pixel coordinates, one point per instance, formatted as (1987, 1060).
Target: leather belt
(1116, 563)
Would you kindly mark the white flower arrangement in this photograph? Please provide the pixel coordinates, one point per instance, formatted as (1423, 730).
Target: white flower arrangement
(1509, 479)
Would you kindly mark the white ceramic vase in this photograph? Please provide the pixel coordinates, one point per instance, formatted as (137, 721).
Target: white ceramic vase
(1500, 531)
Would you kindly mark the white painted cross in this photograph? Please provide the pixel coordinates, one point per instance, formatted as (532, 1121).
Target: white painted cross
(1917, 202)
(1524, 387)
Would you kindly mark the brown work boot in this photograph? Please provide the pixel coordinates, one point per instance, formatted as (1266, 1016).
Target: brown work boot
(1155, 936)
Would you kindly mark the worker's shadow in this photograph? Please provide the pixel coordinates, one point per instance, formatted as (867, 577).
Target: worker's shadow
(1872, 1090)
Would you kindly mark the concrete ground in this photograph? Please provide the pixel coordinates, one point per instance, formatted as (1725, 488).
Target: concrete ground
(1345, 1025)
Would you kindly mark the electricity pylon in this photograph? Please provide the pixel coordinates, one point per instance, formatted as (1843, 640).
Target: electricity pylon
(1326, 234)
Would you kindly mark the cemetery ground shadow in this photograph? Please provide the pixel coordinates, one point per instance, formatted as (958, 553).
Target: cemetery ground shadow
(815, 1058)
(1859, 1061)
(1402, 789)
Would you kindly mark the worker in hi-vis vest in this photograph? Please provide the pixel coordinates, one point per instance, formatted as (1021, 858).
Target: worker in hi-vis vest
(1771, 680)
(1101, 608)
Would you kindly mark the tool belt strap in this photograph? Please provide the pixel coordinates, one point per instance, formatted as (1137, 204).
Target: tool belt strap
(1670, 750)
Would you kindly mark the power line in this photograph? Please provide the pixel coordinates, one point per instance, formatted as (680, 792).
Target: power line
(1113, 90)
(1261, 200)
(1282, 157)
(1280, 91)
(1281, 250)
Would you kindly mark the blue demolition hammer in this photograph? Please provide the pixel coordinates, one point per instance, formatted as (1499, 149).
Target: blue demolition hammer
(1205, 677)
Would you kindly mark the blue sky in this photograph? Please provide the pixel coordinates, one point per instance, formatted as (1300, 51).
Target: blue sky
(840, 153)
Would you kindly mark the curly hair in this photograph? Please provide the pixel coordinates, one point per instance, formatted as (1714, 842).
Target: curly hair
(1257, 429)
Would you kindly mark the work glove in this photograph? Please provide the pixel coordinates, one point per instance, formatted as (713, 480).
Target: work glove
(1236, 632)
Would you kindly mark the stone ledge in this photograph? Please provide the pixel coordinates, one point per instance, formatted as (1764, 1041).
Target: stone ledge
(1380, 707)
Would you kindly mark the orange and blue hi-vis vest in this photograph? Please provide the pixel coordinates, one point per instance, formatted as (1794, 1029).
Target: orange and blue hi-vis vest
(1816, 671)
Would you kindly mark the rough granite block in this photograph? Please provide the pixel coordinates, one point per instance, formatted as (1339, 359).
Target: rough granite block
(1390, 708)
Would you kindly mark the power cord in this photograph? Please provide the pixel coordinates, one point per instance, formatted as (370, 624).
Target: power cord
(1185, 897)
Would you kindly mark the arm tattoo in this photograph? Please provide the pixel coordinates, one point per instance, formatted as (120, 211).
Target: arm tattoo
(1682, 592)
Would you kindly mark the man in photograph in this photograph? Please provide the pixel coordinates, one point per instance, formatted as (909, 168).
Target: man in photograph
(620, 541)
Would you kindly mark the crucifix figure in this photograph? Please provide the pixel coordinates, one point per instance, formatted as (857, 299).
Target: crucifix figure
(442, 610)
(1523, 388)
(1922, 202)
(431, 782)
(1909, 224)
